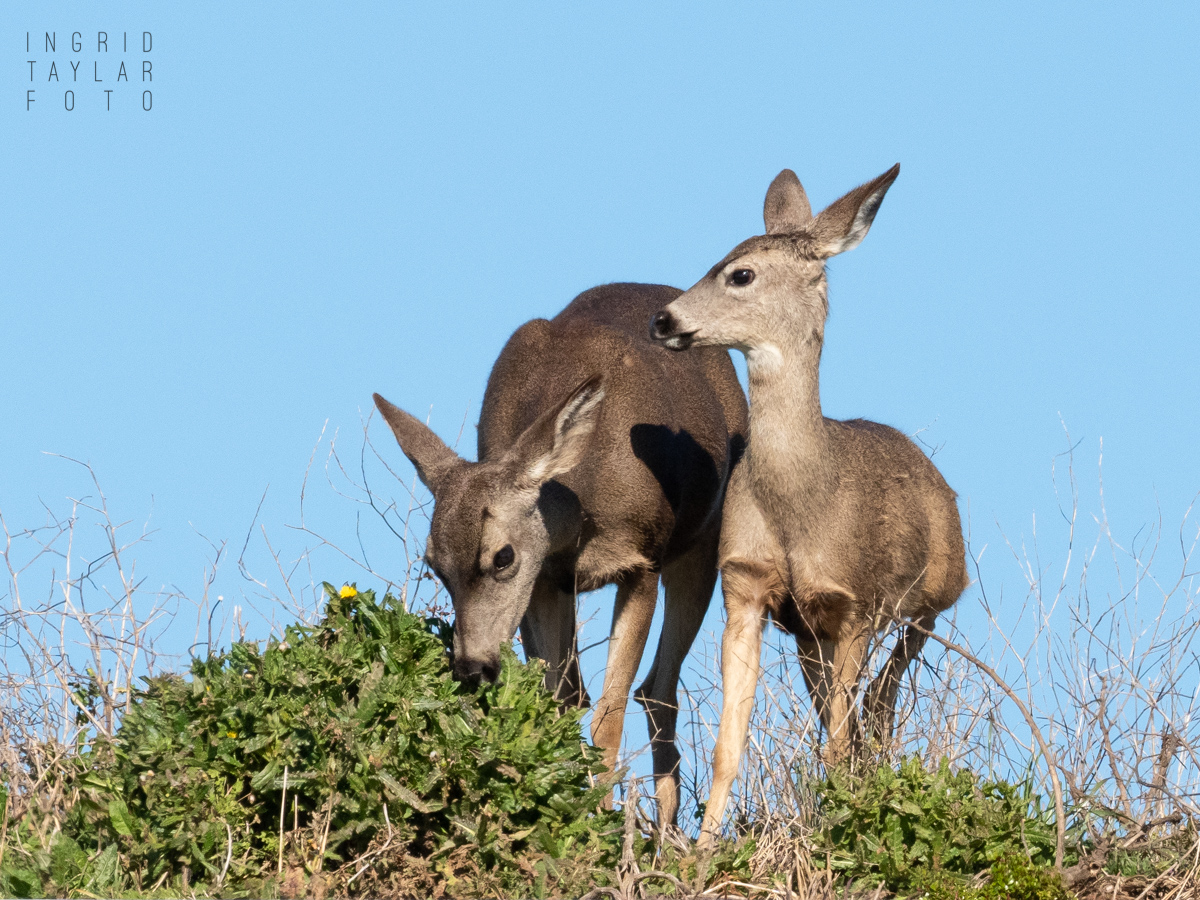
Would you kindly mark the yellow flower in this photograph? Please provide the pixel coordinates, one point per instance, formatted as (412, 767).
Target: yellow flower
(231, 734)
(348, 591)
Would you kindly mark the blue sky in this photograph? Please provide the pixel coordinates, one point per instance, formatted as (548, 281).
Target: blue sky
(332, 199)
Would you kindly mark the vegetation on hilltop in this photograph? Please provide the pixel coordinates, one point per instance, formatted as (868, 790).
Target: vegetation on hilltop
(341, 758)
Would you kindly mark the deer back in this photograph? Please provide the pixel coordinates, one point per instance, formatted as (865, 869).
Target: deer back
(891, 532)
(668, 432)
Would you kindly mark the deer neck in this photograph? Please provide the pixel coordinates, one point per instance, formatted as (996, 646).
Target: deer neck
(788, 457)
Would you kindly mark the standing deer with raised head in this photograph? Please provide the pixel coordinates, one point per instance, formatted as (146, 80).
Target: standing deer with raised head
(834, 529)
(603, 459)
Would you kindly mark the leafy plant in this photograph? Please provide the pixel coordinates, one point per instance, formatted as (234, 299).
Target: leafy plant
(345, 743)
(1015, 877)
(903, 827)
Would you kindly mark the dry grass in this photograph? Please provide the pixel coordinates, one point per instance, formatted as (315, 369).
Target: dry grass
(72, 647)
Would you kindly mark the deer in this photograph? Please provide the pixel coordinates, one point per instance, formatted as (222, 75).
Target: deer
(602, 459)
(835, 530)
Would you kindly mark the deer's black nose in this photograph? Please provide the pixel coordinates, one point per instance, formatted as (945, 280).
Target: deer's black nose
(661, 325)
(471, 670)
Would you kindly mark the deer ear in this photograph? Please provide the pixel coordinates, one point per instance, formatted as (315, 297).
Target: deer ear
(786, 208)
(424, 449)
(843, 224)
(557, 441)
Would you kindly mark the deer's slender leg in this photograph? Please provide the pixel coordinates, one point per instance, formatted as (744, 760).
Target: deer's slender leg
(817, 662)
(548, 632)
(879, 704)
(749, 591)
(816, 659)
(849, 653)
(689, 583)
(637, 594)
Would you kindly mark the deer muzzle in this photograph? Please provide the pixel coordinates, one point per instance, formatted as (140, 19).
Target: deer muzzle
(471, 670)
(664, 328)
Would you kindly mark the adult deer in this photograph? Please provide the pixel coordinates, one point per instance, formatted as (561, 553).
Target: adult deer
(603, 459)
(834, 529)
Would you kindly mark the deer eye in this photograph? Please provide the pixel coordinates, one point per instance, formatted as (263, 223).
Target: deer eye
(742, 277)
(503, 558)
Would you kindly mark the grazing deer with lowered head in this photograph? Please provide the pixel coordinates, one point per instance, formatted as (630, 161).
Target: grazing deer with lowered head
(603, 458)
(833, 529)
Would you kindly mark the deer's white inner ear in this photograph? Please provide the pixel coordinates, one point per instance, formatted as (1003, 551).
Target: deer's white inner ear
(862, 222)
(572, 428)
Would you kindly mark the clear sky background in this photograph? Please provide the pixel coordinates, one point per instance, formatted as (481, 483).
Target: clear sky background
(332, 199)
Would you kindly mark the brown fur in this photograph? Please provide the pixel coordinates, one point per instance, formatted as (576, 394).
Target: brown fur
(847, 526)
(603, 458)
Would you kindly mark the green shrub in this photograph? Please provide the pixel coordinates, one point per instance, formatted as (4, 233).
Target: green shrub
(1015, 877)
(1012, 877)
(903, 827)
(353, 742)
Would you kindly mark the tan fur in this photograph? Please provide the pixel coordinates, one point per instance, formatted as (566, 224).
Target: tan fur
(833, 529)
(603, 459)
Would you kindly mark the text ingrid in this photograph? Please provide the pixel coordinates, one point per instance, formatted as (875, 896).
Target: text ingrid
(104, 69)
